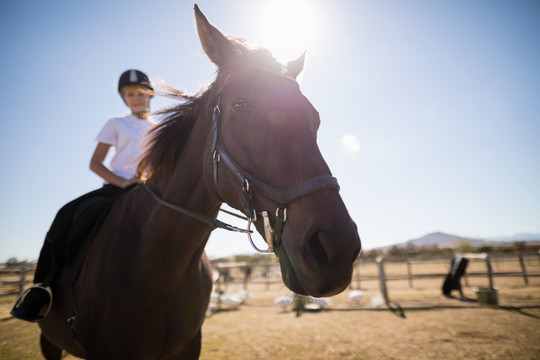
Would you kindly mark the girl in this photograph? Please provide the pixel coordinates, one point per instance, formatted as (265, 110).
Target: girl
(125, 134)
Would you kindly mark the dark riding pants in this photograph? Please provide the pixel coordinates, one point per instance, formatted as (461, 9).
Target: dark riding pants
(57, 250)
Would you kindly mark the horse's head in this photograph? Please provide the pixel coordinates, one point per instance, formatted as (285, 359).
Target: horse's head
(265, 162)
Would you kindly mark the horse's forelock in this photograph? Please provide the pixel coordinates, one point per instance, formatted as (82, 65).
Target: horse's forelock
(259, 58)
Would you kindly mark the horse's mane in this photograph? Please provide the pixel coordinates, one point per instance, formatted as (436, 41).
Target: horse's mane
(167, 139)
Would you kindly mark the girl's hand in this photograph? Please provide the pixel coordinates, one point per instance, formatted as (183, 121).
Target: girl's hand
(97, 166)
(129, 182)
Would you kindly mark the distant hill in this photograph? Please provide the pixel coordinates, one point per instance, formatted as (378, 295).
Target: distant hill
(439, 239)
(443, 240)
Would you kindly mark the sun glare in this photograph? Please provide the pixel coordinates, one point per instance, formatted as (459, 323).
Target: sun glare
(288, 28)
(351, 143)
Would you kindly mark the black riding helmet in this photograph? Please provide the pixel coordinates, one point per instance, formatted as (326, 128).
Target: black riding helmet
(136, 77)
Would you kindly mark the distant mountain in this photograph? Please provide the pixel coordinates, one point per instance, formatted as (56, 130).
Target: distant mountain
(443, 240)
(440, 239)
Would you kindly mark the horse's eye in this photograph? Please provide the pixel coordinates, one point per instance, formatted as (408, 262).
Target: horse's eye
(241, 106)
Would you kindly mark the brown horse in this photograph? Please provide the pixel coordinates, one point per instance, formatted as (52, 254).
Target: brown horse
(249, 140)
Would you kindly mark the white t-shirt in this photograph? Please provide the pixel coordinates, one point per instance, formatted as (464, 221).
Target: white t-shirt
(126, 134)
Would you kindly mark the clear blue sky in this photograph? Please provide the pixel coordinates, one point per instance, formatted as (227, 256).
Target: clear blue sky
(430, 109)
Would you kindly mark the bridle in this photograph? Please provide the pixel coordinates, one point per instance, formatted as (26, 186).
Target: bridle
(248, 184)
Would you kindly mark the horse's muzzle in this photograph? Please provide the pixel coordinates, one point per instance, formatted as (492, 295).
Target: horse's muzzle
(321, 263)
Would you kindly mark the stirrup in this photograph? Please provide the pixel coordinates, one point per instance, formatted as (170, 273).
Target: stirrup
(45, 311)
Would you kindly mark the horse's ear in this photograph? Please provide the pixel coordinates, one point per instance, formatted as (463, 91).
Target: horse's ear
(295, 67)
(216, 45)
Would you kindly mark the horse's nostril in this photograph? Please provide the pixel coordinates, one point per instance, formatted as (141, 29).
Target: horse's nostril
(322, 247)
(318, 245)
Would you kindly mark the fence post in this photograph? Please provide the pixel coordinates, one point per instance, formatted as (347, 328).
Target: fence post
(523, 270)
(489, 270)
(382, 279)
(409, 274)
(22, 280)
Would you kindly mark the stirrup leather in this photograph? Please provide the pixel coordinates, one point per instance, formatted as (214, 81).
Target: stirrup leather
(45, 311)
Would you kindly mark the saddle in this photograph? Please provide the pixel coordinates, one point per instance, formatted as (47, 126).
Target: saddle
(66, 245)
(88, 217)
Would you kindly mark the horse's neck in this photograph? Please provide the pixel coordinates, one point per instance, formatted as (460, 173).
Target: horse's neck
(187, 189)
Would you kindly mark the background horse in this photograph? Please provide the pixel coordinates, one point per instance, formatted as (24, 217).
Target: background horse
(249, 140)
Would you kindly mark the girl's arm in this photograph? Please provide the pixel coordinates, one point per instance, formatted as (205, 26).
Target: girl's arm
(97, 166)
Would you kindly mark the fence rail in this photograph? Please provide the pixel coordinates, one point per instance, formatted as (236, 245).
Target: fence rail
(15, 278)
(522, 259)
(524, 265)
(491, 269)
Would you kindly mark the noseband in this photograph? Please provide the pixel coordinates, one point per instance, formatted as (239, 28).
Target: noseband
(249, 184)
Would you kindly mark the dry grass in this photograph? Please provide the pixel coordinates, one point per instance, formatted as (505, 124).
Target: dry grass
(434, 327)
(18, 339)
(265, 333)
(261, 330)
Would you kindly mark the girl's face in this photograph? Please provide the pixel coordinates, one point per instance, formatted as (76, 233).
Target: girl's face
(137, 98)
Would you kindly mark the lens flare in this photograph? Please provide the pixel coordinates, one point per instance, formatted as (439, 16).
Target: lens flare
(288, 28)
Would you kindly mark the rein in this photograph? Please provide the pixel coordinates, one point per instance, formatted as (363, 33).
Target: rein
(214, 223)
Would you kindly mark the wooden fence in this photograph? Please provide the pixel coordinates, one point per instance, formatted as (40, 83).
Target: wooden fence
(384, 271)
(474, 259)
(523, 265)
(14, 280)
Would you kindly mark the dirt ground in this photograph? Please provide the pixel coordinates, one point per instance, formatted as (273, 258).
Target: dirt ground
(423, 325)
(463, 333)
(433, 327)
